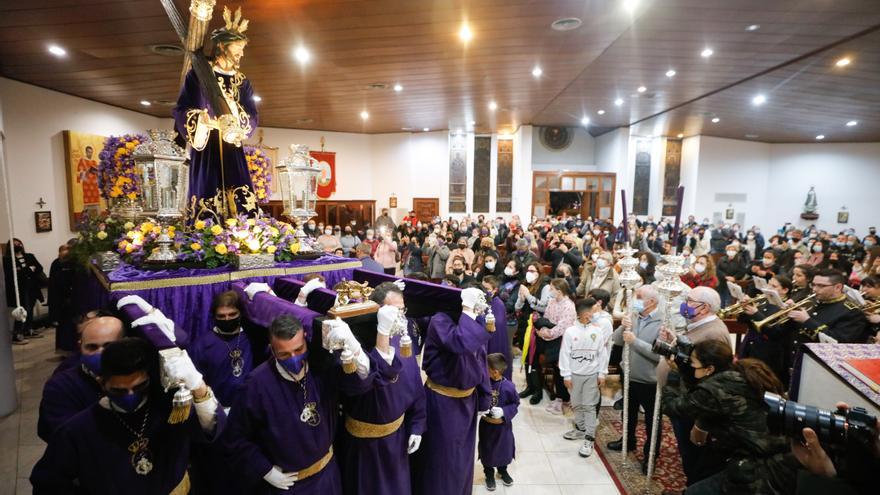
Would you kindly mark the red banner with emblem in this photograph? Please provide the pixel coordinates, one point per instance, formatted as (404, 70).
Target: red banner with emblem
(327, 179)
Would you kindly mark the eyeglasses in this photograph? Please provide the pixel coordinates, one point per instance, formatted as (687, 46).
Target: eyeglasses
(815, 285)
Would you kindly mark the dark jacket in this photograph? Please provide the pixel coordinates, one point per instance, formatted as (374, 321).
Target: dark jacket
(30, 279)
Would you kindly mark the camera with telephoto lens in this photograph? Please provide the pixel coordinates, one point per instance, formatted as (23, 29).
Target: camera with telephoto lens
(837, 428)
(680, 350)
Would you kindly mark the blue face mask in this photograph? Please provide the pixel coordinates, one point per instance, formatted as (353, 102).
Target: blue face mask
(638, 305)
(128, 402)
(91, 362)
(294, 364)
(687, 311)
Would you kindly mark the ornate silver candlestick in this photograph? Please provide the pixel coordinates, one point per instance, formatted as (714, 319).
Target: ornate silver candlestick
(629, 279)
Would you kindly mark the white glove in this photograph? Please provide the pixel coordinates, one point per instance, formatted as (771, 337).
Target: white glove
(255, 287)
(387, 316)
(160, 320)
(137, 300)
(341, 332)
(414, 442)
(279, 479)
(473, 298)
(311, 285)
(400, 284)
(19, 314)
(180, 368)
(496, 412)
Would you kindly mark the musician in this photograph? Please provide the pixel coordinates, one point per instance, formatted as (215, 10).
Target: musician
(770, 343)
(871, 291)
(833, 314)
(801, 278)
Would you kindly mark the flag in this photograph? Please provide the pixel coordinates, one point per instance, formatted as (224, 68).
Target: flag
(327, 179)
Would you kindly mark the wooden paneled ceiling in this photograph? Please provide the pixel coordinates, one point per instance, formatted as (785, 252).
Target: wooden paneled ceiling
(354, 44)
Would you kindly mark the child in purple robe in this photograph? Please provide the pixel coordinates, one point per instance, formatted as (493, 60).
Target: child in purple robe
(501, 339)
(497, 447)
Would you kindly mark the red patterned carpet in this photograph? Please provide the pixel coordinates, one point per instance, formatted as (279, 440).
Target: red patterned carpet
(668, 473)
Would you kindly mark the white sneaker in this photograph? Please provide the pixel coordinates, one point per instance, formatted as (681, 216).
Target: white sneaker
(554, 407)
(573, 434)
(586, 449)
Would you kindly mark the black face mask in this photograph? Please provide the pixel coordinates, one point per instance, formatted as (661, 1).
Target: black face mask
(228, 327)
(458, 271)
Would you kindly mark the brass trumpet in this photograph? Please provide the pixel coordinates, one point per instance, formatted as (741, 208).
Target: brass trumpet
(734, 310)
(871, 307)
(782, 316)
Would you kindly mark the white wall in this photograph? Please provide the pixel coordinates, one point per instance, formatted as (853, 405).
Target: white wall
(612, 156)
(579, 153)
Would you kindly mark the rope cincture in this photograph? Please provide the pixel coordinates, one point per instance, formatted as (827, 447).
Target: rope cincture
(19, 313)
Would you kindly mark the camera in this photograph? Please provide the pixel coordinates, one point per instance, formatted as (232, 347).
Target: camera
(680, 350)
(837, 428)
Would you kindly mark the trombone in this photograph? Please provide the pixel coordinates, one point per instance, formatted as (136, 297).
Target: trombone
(734, 310)
(782, 316)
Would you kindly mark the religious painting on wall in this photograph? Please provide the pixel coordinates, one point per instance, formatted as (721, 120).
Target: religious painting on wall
(457, 174)
(642, 181)
(327, 179)
(81, 166)
(843, 216)
(43, 221)
(672, 176)
(482, 173)
(504, 184)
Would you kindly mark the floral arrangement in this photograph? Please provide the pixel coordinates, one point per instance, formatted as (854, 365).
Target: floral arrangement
(139, 241)
(97, 233)
(215, 244)
(117, 177)
(260, 168)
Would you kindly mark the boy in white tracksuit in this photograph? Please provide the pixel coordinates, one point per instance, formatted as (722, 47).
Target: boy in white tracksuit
(583, 365)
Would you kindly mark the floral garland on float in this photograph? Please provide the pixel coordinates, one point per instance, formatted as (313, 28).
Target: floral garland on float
(260, 168)
(117, 174)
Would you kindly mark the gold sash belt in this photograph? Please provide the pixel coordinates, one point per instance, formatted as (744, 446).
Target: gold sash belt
(362, 429)
(455, 393)
(183, 487)
(494, 421)
(316, 467)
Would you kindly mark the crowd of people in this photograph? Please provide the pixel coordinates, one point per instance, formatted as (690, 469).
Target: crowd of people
(554, 286)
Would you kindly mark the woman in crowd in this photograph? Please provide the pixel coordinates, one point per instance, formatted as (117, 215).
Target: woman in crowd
(30, 282)
(565, 272)
(701, 273)
(533, 295)
(508, 292)
(801, 278)
(770, 344)
(410, 255)
(601, 276)
(437, 251)
(817, 252)
(648, 263)
(488, 265)
(546, 340)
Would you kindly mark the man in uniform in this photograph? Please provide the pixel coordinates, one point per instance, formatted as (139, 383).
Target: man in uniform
(833, 315)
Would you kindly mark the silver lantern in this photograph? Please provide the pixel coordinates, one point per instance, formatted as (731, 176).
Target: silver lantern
(165, 179)
(298, 174)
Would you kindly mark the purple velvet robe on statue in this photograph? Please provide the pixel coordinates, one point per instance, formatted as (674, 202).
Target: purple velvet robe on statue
(265, 430)
(381, 465)
(499, 342)
(205, 177)
(89, 454)
(454, 356)
(497, 447)
(65, 394)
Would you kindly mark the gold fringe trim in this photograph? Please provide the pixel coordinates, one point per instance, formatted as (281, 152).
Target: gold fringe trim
(316, 467)
(455, 393)
(362, 429)
(183, 487)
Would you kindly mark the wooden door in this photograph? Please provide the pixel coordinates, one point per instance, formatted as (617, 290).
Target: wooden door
(426, 208)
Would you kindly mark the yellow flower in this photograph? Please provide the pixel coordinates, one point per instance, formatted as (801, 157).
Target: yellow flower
(220, 248)
(254, 245)
(200, 224)
(130, 145)
(271, 249)
(195, 246)
(146, 227)
(274, 231)
(294, 248)
(115, 192)
(231, 222)
(129, 248)
(171, 230)
(251, 222)
(240, 234)
(258, 230)
(132, 195)
(157, 230)
(128, 225)
(122, 244)
(216, 230)
(102, 235)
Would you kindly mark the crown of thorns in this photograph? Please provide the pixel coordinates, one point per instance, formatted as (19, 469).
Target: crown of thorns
(234, 28)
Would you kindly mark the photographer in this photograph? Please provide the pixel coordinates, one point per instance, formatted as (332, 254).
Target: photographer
(730, 420)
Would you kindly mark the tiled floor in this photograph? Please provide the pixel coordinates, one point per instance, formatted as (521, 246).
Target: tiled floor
(545, 463)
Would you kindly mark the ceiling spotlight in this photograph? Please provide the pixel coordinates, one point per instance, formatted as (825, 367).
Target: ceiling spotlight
(820, 137)
(398, 87)
(145, 103)
(618, 101)
(706, 53)
(465, 33)
(631, 5)
(493, 106)
(716, 120)
(680, 135)
(57, 51)
(670, 73)
(759, 100)
(257, 99)
(753, 27)
(601, 112)
(537, 71)
(852, 123)
(566, 24)
(365, 115)
(301, 54)
(585, 121)
(843, 62)
(426, 129)
(642, 89)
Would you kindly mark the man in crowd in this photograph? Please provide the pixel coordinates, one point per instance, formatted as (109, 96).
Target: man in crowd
(462, 250)
(833, 315)
(523, 255)
(458, 271)
(362, 253)
(384, 221)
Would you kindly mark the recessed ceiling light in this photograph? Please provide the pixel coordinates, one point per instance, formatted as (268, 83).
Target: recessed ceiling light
(398, 87)
(618, 101)
(753, 27)
(631, 5)
(852, 123)
(820, 137)
(670, 73)
(585, 120)
(57, 51)
(716, 120)
(680, 135)
(465, 33)
(426, 129)
(257, 99)
(843, 62)
(642, 89)
(537, 71)
(493, 106)
(365, 115)
(145, 103)
(601, 112)
(706, 53)
(759, 100)
(301, 54)
(566, 24)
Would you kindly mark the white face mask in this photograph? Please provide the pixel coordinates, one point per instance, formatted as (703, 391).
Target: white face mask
(644, 265)
(328, 231)
(699, 267)
(490, 265)
(369, 236)
(767, 262)
(601, 263)
(531, 277)
(594, 257)
(508, 271)
(731, 254)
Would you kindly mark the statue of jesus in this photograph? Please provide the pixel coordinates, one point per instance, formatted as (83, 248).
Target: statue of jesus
(218, 174)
